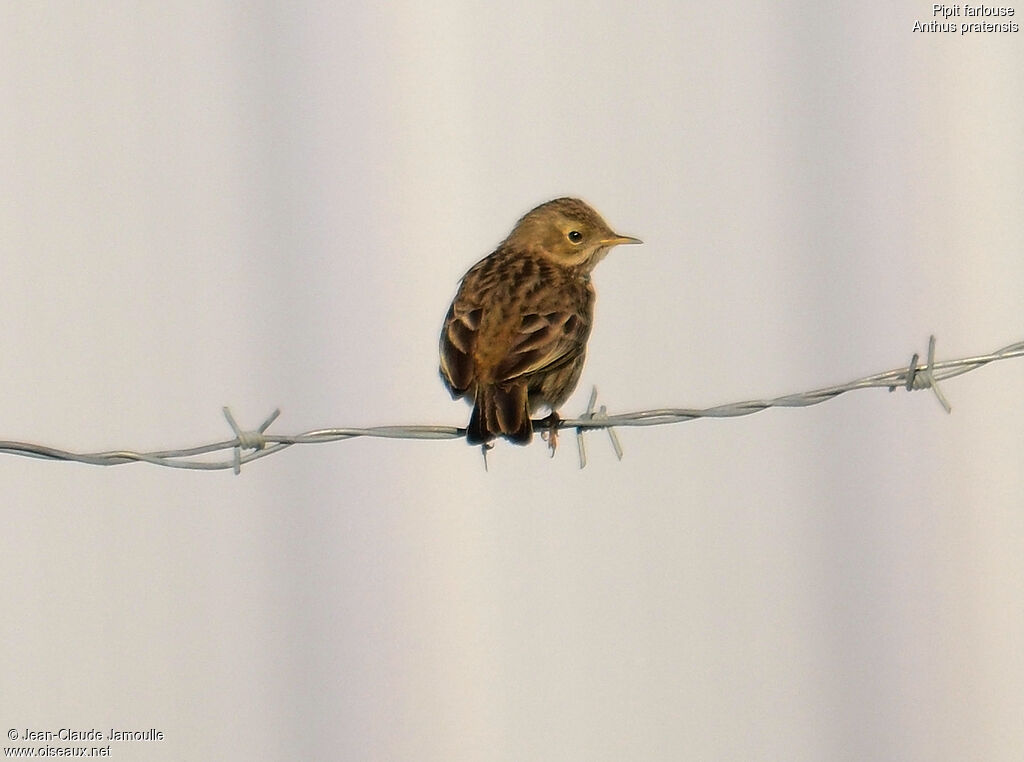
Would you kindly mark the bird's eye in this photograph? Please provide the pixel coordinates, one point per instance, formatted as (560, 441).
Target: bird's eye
(575, 236)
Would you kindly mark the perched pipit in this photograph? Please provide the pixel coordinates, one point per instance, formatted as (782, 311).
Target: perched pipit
(515, 337)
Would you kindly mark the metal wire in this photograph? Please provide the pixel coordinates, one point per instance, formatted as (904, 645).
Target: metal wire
(247, 446)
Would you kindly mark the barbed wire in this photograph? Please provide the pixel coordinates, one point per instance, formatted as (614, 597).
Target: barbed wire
(249, 445)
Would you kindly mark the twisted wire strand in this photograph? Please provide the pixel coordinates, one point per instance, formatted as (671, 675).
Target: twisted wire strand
(250, 445)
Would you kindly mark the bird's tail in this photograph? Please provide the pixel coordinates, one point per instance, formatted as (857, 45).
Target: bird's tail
(500, 411)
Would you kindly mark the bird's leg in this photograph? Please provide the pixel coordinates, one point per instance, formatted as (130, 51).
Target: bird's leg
(483, 451)
(550, 433)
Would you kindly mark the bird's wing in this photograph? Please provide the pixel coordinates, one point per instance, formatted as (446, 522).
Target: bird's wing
(513, 317)
(458, 340)
(548, 336)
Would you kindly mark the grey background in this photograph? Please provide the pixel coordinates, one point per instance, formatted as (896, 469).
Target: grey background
(269, 205)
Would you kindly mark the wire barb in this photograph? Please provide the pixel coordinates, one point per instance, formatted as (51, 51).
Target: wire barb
(601, 414)
(250, 445)
(248, 440)
(924, 378)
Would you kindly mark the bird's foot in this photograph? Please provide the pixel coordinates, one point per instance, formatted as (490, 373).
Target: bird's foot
(550, 432)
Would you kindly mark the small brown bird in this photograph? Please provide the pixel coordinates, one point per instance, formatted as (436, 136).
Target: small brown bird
(515, 337)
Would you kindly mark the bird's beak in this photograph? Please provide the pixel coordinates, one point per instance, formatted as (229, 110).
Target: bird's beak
(620, 239)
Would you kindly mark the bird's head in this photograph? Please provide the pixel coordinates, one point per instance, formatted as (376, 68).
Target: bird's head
(567, 231)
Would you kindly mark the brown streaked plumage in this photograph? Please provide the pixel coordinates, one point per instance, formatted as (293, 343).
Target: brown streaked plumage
(515, 337)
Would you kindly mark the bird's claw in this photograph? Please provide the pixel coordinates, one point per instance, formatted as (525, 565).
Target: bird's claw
(550, 432)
